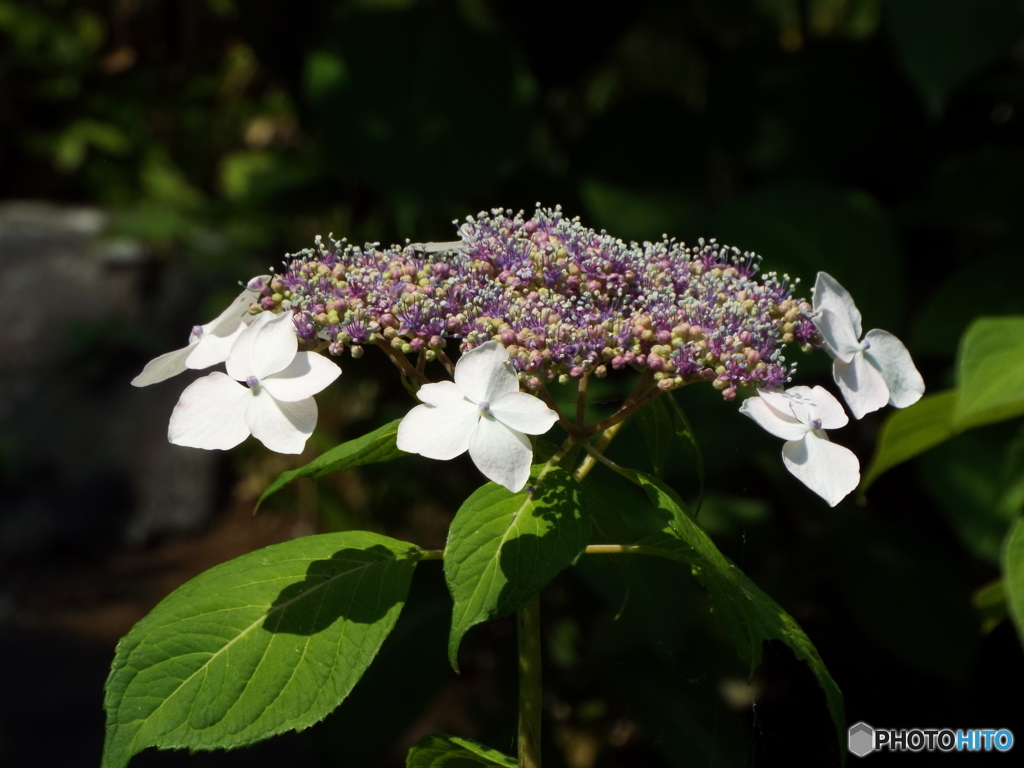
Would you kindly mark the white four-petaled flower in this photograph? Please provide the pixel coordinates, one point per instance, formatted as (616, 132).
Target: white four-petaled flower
(275, 404)
(207, 344)
(483, 412)
(869, 373)
(800, 416)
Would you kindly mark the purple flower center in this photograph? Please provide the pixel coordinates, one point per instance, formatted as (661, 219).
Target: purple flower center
(865, 345)
(252, 381)
(815, 423)
(197, 330)
(484, 406)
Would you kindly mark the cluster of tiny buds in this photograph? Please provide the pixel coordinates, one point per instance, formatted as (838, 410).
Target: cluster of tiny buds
(565, 301)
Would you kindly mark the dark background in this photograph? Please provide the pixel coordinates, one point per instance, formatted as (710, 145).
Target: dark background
(155, 152)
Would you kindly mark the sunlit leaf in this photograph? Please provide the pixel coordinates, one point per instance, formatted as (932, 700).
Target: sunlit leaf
(268, 642)
(503, 547)
(990, 372)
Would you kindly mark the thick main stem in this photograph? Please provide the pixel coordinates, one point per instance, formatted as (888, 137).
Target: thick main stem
(530, 690)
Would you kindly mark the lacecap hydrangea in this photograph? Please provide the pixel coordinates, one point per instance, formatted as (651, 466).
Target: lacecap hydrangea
(563, 299)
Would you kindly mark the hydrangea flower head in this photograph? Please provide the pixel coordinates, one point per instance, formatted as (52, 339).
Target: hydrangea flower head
(564, 300)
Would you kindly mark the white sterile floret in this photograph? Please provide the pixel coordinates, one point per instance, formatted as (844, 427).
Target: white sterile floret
(800, 416)
(483, 412)
(869, 373)
(207, 344)
(274, 404)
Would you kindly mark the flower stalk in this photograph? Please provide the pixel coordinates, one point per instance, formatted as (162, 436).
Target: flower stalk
(530, 686)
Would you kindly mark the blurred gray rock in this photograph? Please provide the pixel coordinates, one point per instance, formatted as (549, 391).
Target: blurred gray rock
(84, 457)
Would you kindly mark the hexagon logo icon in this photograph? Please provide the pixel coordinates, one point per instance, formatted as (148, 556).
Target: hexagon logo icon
(860, 739)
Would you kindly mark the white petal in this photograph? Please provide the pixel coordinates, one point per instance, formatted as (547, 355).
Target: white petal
(438, 432)
(830, 470)
(163, 367)
(901, 375)
(831, 296)
(778, 423)
(214, 347)
(822, 404)
(523, 413)
(502, 454)
(838, 334)
(210, 414)
(484, 374)
(282, 427)
(265, 347)
(441, 393)
(237, 311)
(862, 385)
(308, 374)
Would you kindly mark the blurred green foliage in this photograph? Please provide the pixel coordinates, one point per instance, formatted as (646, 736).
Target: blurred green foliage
(882, 142)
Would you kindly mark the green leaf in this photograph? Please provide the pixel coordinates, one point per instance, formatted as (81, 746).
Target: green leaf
(268, 642)
(944, 42)
(748, 616)
(990, 372)
(373, 448)
(504, 547)
(1013, 574)
(912, 431)
(442, 751)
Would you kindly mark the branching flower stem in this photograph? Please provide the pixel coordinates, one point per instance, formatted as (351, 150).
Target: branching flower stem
(401, 361)
(446, 362)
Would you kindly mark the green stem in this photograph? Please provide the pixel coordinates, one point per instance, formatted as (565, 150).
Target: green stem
(530, 690)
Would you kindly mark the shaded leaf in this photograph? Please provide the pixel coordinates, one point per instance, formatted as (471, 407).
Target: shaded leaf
(990, 603)
(442, 751)
(1013, 574)
(748, 616)
(691, 447)
(503, 547)
(268, 642)
(944, 42)
(800, 228)
(372, 448)
(656, 425)
(978, 481)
